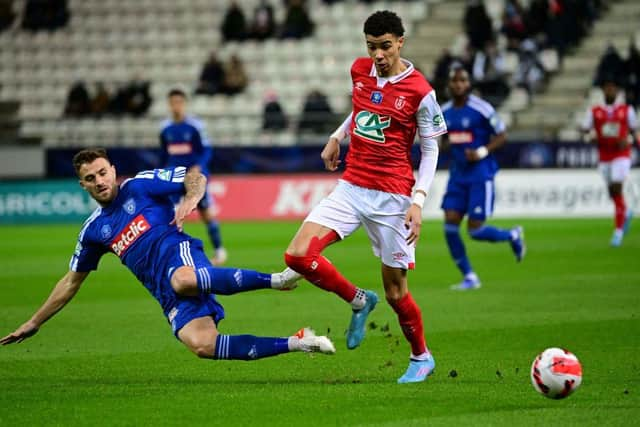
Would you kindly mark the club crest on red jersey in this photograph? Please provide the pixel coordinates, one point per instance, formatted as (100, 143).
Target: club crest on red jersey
(400, 102)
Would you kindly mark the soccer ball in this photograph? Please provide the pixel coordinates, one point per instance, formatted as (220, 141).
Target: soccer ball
(556, 373)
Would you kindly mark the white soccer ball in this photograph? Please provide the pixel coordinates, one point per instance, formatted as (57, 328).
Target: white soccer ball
(556, 373)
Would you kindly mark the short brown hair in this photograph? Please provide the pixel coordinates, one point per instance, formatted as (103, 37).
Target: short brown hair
(88, 155)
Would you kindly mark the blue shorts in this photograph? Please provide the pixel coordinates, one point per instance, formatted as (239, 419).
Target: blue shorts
(180, 309)
(472, 198)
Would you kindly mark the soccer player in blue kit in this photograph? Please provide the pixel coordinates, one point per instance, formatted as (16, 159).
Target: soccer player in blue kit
(184, 142)
(137, 222)
(475, 132)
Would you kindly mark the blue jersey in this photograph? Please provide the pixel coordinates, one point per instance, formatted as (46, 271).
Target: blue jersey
(185, 144)
(471, 126)
(136, 227)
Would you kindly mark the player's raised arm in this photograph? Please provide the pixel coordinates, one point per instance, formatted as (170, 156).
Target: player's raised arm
(62, 293)
(194, 186)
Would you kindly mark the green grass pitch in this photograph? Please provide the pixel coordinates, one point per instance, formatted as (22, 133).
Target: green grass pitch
(109, 358)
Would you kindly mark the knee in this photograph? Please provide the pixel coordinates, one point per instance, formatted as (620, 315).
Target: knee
(203, 347)
(297, 257)
(394, 295)
(183, 281)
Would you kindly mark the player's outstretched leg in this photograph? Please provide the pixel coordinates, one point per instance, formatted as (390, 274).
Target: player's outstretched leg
(249, 347)
(318, 270)
(459, 255)
(227, 281)
(515, 237)
(201, 337)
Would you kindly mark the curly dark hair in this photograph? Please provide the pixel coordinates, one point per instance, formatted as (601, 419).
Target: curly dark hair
(88, 155)
(383, 22)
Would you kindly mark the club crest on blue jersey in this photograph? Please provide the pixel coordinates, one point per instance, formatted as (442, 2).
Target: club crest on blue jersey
(129, 206)
(164, 174)
(466, 122)
(376, 97)
(106, 231)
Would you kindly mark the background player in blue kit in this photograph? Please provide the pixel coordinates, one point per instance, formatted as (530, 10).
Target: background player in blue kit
(184, 143)
(136, 221)
(475, 131)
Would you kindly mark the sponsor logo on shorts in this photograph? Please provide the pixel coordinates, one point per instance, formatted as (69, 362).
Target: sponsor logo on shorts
(399, 256)
(477, 210)
(172, 314)
(129, 235)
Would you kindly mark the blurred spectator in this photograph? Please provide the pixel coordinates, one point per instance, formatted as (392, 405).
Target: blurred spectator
(317, 116)
(263, 25)
(477, 24)
(274, 118)
(137, 96)
(235, 77)
(234, 25)
(632, 71)
(45, 15)
(489, 74)
(611, 63)
(132, 98)
(211, 76)
(7, 14)
(513, 26)
(100, 101)
(78, 103)
(530, 73)
(297, 22)
(441, 74)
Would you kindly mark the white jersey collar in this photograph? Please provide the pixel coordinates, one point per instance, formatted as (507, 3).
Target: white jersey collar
(392, 79)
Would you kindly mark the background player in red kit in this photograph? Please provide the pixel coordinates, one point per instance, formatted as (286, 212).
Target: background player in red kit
(391, 101)
(614, 124)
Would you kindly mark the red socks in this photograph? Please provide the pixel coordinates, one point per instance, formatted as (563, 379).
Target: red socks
(319, 271)
(410, 319)
(621, 210)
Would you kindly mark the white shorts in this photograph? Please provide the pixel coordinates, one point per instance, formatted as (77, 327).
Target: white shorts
(617, 170)
(382, 215)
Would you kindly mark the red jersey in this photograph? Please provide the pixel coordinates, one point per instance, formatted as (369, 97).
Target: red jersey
(384, 121)
(612, 124)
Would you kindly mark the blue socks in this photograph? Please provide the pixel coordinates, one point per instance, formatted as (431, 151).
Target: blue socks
(456, 248)
(249, 347)
(228, 281)
(490, 234)
(213, 228)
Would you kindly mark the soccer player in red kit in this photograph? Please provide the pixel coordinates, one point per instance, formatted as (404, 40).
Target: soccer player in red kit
(614, 124)
(391, 101)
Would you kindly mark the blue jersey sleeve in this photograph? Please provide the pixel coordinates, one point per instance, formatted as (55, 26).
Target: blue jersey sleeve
(87, 254)
(160, 182)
